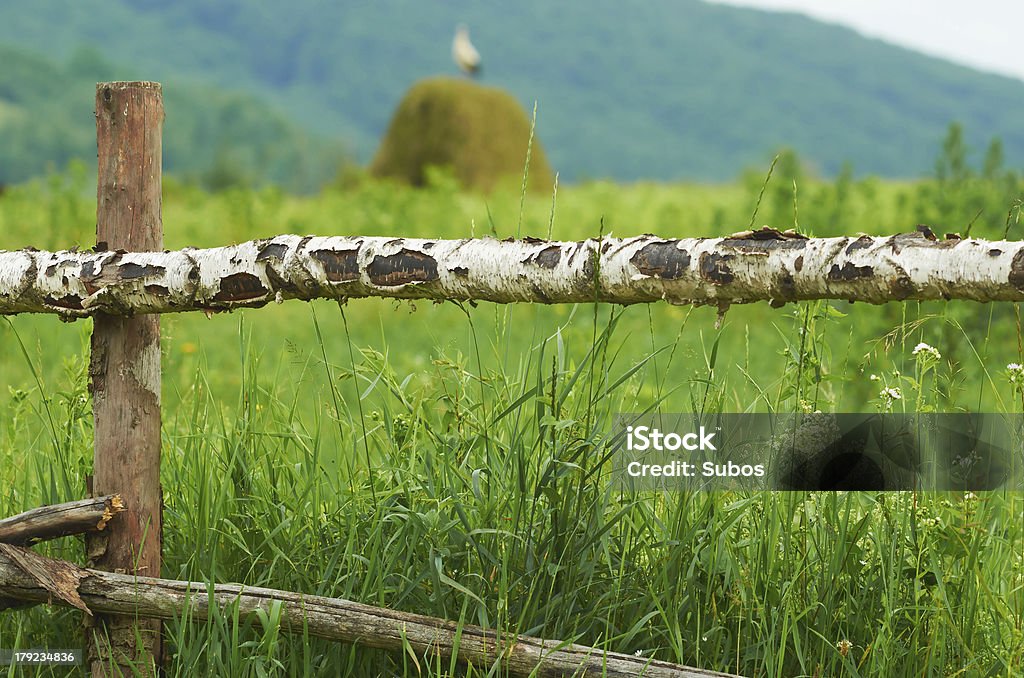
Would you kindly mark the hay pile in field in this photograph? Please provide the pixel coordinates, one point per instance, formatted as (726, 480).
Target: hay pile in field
(480, 133)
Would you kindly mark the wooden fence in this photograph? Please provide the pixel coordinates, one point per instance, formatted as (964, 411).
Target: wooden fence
(123, 288)
(128, 280)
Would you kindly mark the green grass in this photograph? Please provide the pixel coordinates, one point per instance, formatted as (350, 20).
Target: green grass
(453, 461)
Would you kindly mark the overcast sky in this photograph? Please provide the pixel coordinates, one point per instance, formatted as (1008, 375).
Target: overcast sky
(984, 34)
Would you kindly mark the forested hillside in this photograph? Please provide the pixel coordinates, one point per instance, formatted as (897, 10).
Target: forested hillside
(663, 89)
(217, 138)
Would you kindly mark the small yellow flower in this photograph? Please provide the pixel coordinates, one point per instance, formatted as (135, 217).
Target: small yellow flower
(188, 347)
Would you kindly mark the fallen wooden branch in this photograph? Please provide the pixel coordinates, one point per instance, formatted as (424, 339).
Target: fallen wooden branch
(60, 520)
(57, 577)
(337, 619)
(763, 265)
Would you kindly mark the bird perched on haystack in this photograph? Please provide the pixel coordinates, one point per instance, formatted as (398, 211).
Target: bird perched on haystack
(464, 53)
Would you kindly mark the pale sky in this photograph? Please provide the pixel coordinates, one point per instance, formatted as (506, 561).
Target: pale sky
(983, 34)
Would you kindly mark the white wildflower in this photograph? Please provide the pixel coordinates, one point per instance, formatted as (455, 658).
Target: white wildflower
(1015, 373)
(890, 395)
(873, 377)
(927, 356)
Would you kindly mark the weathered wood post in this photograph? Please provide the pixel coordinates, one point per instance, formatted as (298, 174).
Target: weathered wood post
(124, 370)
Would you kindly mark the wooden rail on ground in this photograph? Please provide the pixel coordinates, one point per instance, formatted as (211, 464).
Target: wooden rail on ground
(29, 578)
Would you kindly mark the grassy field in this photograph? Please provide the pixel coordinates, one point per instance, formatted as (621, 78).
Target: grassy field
(449, 460)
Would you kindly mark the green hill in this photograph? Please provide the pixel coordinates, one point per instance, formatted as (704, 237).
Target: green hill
(656, 88)
(214, 137)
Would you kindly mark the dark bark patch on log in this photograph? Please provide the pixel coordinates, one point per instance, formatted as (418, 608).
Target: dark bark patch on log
(662, 260)
(901, 240)
(460, 271)
(132, 271)
(586, 284)
(755, 245)
(397, 242)
(787, 286)
(763, 233)
(69, 301)
(548, 257)
(428, 245)
(714, 268)
(860, 243)
(1016, 277)
(52, 268)
(849, 272)
(540, 295)
(405, 267)
(994, 252)
(339, 266)
(157, 290)
(901, 287)
(274, 250)
(799, 263)
(277, 282)
(581, 246)
(240, 287)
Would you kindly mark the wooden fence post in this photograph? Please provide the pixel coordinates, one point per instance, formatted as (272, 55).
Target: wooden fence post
(124, 371)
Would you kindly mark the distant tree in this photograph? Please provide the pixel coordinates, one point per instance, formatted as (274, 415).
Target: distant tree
(994, 158)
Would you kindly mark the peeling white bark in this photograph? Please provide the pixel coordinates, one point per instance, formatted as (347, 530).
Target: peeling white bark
(763, 266)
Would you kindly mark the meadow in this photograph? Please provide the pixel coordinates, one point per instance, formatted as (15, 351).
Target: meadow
(451, 459)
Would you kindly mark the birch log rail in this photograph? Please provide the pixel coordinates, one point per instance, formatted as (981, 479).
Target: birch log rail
(331, 618)
(761, 265)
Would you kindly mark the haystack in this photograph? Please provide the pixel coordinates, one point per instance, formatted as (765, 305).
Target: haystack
(480, 133)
